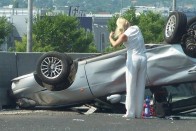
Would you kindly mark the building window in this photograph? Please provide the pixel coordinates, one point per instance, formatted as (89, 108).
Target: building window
(102, 36)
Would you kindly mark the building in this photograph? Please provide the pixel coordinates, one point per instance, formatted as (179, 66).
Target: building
(18, 17)
(95, 23)
(100, 30)
(164, 11)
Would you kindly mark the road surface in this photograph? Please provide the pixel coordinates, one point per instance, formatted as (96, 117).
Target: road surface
(68, 120)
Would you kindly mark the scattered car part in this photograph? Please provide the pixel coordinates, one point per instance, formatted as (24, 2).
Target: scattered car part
(115, 98)
(90, 109)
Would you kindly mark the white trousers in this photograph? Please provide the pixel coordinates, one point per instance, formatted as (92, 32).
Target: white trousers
(135, 84)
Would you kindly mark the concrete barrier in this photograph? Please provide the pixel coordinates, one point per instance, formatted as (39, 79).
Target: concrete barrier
(8, 71)
(26, 62)
(16, 64)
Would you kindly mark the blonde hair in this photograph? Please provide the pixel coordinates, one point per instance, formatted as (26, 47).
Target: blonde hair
(122, 25)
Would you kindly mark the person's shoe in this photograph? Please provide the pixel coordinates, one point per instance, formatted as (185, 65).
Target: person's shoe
(128, 116)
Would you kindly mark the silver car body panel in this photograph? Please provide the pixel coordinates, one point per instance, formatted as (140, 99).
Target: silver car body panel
(104, 75)
(27, 87)
(107, 74)
(169, 64)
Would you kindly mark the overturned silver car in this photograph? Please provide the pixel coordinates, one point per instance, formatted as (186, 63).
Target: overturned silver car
(60, 81)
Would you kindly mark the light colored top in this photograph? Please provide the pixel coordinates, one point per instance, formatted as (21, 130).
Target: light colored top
(135, 40)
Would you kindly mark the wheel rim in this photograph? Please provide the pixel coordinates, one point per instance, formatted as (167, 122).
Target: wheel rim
(170, 27)
(51, 67)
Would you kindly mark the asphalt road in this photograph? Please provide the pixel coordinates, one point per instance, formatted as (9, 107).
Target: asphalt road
(67, 120)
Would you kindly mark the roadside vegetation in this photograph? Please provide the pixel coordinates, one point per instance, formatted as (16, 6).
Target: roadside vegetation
(151, 25)
(62, 33)
(5, 29)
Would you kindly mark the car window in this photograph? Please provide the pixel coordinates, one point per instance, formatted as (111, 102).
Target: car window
(183, 90)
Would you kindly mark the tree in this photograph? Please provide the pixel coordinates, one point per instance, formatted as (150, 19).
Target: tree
(60, 33)
(5, 29)
(15, 4)
(130, 15)
(63, 33)
(151, 25)
(21, 46)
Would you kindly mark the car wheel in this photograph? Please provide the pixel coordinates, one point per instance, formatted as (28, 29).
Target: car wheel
(53, 67)
(192, 23)
(175, 27)
(189, 39)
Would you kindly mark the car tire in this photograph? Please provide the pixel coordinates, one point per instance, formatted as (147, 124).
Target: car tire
(189, 39)
(175, 27)
(53, 67)
(192, 23)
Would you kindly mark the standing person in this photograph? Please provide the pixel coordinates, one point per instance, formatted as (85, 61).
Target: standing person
(136, 65)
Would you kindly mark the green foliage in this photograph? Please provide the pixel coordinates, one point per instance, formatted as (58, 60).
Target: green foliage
(112, 23)
(15, 4)
(60, 33)
(152, 27)
(5, 28)
(20, 46)
(129, 15)
(92, 48)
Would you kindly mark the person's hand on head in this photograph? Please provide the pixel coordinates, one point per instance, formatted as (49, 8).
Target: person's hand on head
(111, 34)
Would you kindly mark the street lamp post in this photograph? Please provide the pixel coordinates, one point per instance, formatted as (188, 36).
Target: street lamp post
(29, 26)
(174, 5)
